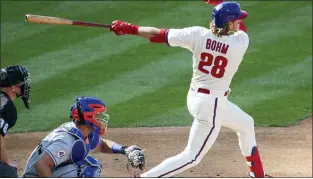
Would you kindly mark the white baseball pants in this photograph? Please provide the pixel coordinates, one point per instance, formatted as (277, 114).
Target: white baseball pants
(210, 112)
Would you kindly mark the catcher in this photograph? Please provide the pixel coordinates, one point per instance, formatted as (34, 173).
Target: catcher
(64, 152)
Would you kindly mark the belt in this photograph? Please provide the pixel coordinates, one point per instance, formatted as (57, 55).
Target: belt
(207, 91)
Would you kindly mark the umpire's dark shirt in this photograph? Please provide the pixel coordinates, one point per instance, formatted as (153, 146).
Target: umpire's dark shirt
(8, 113)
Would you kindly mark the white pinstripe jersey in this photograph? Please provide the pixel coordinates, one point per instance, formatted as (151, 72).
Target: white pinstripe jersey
(215, 59)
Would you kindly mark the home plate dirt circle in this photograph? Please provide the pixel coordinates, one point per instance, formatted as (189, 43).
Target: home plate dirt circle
(286, 151)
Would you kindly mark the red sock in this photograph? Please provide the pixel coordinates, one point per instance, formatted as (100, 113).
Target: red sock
(256, 167)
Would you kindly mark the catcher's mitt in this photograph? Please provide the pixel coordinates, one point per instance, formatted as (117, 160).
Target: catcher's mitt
(136, 159)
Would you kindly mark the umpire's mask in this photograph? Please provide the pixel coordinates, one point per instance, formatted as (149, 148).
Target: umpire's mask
(17, 75)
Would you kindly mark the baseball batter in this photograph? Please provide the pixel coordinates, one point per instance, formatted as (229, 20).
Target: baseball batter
(64, 152)
(217, 54)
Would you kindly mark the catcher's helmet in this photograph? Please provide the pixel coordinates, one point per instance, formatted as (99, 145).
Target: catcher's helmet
(17, 75)
(90, 111)
(227, 11)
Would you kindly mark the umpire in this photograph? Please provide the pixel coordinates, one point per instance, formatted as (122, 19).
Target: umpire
(14, 83)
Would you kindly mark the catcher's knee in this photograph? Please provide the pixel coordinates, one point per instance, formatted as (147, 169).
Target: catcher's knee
(65, 171)
(89, 168)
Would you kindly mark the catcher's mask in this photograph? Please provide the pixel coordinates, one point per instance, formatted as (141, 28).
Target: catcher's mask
(90, 111)
(18, 76)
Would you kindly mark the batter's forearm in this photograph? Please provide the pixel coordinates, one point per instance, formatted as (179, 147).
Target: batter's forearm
(154, 34)
(148, 32)
(4, 155)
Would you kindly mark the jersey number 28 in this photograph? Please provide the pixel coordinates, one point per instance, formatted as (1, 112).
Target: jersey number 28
(219, 63)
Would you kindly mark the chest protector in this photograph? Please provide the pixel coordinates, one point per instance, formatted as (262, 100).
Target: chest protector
(80, 148)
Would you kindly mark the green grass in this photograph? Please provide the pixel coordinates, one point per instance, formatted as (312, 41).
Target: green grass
(146, 84)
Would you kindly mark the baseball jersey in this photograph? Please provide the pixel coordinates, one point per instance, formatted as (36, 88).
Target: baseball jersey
(215, 59)
(8, 113)
(57, 144)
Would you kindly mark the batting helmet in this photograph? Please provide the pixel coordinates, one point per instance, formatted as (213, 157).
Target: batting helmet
(227, 11)
(90, 111)
(17, 75)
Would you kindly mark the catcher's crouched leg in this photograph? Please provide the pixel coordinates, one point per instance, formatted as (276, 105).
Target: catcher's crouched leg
(88, 168)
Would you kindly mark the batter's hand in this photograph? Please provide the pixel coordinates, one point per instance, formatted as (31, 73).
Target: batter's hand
(213, 2)
(123, 28)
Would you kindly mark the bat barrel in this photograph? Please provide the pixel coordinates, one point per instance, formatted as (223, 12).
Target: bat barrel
(60, 21)
(47, 20)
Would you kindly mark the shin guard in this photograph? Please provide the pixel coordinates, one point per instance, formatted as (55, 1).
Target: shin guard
(255, 164)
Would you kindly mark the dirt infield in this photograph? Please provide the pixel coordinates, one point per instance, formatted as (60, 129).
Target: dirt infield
(286, 152)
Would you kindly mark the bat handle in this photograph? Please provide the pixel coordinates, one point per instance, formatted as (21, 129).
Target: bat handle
(80, 23)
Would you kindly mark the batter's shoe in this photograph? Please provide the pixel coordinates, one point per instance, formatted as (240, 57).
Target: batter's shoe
(265, 176)
(268, 176)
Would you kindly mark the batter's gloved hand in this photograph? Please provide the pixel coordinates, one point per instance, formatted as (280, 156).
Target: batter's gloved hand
(135, 157)
(123, 28)
(213, 2)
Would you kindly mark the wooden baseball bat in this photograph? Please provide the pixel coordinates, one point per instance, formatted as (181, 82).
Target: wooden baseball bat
(60, 21)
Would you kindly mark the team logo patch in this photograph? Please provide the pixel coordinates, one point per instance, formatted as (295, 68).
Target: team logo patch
(61, 154)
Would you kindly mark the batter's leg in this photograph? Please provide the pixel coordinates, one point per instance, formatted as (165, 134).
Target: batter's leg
(243, 125)
(203, 134)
